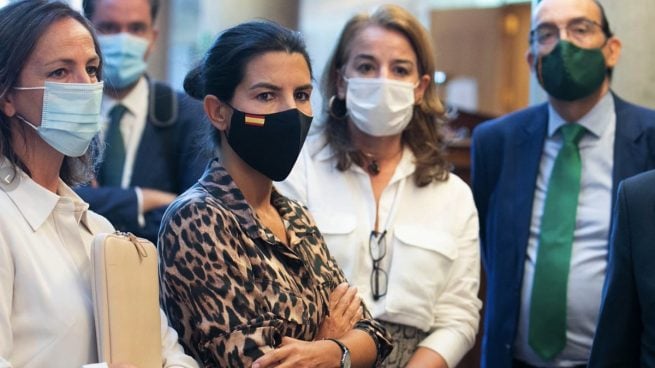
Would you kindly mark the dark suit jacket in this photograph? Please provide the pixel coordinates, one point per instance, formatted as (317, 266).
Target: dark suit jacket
(169, 158)
(506, 153)
(625, 336)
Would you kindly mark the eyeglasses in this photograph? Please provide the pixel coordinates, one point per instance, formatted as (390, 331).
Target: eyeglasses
(377, 249)
(580, 31)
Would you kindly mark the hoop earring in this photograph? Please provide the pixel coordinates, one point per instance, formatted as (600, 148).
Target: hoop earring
(331, 109)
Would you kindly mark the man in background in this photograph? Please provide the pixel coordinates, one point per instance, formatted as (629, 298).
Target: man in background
(150, 131)
(544, 179)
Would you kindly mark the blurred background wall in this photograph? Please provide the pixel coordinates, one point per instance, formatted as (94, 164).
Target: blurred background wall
(480, 44)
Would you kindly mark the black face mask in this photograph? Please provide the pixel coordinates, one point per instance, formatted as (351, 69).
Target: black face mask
(269, 143)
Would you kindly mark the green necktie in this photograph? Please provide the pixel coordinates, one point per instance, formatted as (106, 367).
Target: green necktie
(547, 328)
(111, 169)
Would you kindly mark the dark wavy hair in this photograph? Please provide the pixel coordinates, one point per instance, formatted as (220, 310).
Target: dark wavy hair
(224, 64)
(423, 134)
(89, 8)
(22, 24)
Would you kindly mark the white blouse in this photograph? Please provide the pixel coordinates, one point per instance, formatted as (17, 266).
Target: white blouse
(432, 259)
(46, 307)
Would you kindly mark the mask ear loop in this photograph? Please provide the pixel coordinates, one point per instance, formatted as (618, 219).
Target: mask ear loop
(227, 131)
(331, 108)
(4, 92)
(28, 88)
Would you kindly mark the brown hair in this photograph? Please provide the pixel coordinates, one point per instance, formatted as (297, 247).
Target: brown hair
(422, 135)
(21, 26)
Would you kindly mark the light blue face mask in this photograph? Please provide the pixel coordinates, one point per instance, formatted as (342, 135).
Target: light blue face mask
(122, 59)
(70, 117)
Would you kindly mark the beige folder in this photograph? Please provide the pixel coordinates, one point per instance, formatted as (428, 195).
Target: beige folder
(126, 300)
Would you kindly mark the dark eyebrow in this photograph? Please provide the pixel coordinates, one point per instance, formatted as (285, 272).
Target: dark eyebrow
(106, 23)
(273, 87)
(265, 85)
(306, 86)
(365, 56)
(578, 19)
(138, 23)
(70, 61)
(370, 57)
(403, 61)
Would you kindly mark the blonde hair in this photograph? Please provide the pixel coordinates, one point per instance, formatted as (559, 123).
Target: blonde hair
(423, 134)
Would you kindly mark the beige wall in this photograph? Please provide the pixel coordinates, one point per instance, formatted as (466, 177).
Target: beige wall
(226, 13)
(215, 16)
(633, 22)
(157, 60)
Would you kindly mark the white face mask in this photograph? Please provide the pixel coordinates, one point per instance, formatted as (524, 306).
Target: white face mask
(380, 107)
(70, 117)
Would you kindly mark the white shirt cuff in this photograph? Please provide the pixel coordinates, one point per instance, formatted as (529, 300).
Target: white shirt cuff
(96, 365)
(141, 220)
(451, 345)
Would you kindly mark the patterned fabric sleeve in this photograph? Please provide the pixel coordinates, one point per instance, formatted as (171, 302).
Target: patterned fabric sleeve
(204, 289)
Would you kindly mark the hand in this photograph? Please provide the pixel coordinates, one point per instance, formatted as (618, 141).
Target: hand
(121, 365)
(426, 358)
(345, 310)
(294, 353)
(153, 198)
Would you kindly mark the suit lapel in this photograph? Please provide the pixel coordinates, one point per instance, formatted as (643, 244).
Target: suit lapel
(630, 151)
(527, 155)
(146, 152)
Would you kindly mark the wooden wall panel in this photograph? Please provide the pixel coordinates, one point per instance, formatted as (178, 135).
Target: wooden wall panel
(489, 45)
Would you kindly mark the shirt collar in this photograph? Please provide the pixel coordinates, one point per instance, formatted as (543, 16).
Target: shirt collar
(595, 121)
(133, 101)
(36, 203)
(220, 185)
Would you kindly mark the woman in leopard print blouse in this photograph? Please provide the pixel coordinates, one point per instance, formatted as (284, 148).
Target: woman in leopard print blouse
(246, 278)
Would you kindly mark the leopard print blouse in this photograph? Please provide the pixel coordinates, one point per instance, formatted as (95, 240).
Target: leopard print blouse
(231, 289)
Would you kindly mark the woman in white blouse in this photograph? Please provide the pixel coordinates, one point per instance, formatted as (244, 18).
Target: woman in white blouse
(403, 229)
(49, 107)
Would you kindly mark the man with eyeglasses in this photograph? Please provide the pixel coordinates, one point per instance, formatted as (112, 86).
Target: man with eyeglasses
(544, 179)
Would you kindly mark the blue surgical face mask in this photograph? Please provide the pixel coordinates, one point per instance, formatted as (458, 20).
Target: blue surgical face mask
(70, 117)
(122, 59)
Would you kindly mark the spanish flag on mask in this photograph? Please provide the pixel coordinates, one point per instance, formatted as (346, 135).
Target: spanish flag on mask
(257, 120)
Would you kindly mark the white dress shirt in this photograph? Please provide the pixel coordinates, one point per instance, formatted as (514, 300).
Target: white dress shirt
(46, 307)
(132, 124)
(589, 251)
(432, 259)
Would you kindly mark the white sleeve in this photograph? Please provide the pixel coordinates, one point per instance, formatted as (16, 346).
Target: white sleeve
(6, 301)
(140, 218)
(457, 312)
(96, 365)
(172, 352)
